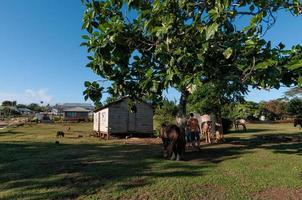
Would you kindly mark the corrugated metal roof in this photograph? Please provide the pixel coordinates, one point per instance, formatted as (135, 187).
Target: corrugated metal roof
(115, 102)
(25, 110)
(83, 105)
(76, 109)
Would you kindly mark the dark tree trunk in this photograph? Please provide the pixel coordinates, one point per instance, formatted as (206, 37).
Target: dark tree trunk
(182, 110)
(219, 118)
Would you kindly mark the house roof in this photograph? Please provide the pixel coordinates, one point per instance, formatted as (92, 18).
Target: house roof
(25, 110)
(115, 102)
(76, 109)
(83, 105)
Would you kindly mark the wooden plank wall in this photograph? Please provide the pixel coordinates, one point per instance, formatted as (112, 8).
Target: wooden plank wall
(118, 117)
(121, 120)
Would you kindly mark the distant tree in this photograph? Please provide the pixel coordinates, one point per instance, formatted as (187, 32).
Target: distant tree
(295, 91)
(21, 106)
(274, 109)
(246, 110)
(209, 99)
(9, 103)
(35, 107)
(165, 112)
(294, 107)
(111, 99)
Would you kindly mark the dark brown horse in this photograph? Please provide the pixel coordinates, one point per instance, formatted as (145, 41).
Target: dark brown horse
(298, 122)
(173, 141)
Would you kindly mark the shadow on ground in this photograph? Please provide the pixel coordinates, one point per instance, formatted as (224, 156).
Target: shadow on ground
(250, 130)
(66, 171)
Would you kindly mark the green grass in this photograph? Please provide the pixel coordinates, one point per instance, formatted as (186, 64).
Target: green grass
(32, 166)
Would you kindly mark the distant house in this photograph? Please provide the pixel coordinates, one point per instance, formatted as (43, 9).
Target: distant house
(44, 117)
(25, 111)
(86, 106)
(115, 118)
(54, 111)
(76, 114)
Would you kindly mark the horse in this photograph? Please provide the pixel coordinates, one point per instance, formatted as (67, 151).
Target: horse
(297, 122)
(206, 131)
(240, 122)
(60, 134)
(173, 141)
(206, 127)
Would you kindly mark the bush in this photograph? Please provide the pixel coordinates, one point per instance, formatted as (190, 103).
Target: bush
(227, 125)
(158, 120)
(57, 118)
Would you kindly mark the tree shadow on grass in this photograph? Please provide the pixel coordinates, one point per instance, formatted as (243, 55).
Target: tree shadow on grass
(67, 171)
(278, 143)
(235, 147)
(10, 132)
(250, 130)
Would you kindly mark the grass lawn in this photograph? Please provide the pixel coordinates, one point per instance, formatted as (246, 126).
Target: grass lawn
(246, 166)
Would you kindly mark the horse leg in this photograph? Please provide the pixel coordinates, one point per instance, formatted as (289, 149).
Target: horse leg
(209, 136)
(181, 148)
(236, 127)
(174, 152)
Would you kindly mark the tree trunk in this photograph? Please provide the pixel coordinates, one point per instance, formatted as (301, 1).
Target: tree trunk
(182, 110)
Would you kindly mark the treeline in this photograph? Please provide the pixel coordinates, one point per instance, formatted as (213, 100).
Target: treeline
(277, 109)
(10, 109)
(33, 106)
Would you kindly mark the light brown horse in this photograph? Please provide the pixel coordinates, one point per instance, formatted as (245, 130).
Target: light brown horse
(240, 122)
(206, 131)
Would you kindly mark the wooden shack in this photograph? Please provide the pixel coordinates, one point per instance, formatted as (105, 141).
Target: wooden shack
(116, 118)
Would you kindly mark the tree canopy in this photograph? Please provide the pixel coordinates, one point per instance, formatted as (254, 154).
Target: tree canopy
(185, 44)
(295, 107)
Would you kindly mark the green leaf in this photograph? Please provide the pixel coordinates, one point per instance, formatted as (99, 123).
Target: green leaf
(300, 80)
(295, 65)
(250, 43)
(87, 83)
(228, 52)
(86, 37)
(213, 14)
(211, 30)
(265, 64)
(256, 19)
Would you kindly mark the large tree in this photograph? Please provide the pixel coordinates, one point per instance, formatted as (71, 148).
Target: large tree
(186, 44)
(294, 107)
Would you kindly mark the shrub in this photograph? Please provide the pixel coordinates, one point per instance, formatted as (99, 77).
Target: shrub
(56, 118)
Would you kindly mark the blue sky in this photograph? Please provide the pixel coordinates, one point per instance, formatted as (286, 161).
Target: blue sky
(41, 59)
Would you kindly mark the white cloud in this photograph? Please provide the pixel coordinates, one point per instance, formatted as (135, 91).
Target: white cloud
(28, 96)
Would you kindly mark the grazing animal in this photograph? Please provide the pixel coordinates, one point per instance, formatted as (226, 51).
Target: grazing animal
(60, 134)
(57, 142)
(173, 141)
(298, 122)
(206, 131)
(240, 122)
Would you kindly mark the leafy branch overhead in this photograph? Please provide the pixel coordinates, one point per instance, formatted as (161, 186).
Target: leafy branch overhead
(186, 42)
